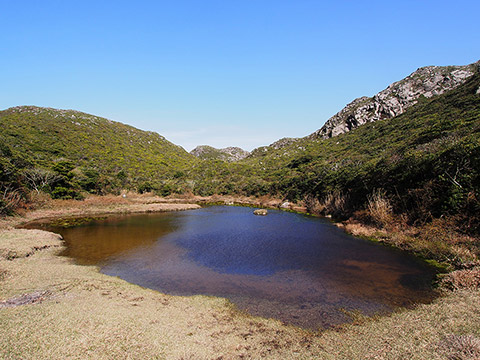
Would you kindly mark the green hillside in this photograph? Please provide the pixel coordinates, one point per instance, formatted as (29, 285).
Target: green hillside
(425, 161)
(209, 153)
(229, 154)
(105, 153)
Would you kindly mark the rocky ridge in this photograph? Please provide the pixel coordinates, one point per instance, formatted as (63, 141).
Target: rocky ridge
(229, 154)
(396, 98)
(279, 144)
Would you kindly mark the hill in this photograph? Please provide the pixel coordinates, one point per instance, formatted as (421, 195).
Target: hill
(38, 144)
(229, 154)
(396, 98)
(261, 151)
(426, 161)
(425, 82)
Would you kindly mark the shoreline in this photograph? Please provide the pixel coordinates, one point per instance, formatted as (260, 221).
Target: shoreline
(94, 208)
(52, 308)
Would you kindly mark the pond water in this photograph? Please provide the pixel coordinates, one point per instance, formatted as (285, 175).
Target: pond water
(299, 269)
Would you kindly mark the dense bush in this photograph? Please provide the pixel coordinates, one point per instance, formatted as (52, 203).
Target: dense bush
(12, 192)
(65, 186)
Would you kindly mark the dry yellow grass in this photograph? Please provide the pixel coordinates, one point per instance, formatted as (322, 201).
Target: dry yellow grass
(81, 313)
(380, 208)
(89, 315)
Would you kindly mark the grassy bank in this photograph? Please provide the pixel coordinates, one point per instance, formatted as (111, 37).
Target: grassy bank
(51, 308)
(96, 205)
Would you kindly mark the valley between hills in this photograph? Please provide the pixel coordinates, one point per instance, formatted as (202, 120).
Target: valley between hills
(401, 168)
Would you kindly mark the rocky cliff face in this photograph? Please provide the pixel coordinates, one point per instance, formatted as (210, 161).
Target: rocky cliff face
(228, 154)
(396, 98)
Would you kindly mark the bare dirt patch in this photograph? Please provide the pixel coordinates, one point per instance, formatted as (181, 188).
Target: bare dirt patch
(25, 299)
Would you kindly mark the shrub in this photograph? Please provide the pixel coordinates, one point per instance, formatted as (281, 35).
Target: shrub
(204, 188)
(9, 201)
(90, 181)
(145, 187)
(61, 192)
(335, 203)
(379, 208)
(463, 279)
(64, 168)
(64, 186)
(313, 205)
(165, 190)
(40, 179)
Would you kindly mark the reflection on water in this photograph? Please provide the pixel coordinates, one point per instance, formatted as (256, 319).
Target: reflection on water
(298, 269)
(99, 241)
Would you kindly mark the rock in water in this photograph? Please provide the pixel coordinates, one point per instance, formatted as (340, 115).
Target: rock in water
(261, 212)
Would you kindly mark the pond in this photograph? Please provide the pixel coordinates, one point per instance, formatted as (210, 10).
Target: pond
(301, 270)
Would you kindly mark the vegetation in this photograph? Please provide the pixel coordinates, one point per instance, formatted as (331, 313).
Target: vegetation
(65, 152)
(424, 163)
(228, 154)
(414, 178)
(420, 169)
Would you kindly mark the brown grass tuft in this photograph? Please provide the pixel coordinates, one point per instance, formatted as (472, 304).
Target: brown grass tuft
(460, 347)
(463, 279)
(313, 206)
(10, 200)
(335, 203)
(380, 208)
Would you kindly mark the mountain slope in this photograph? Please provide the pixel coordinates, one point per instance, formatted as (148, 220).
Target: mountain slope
(395, 99)
(279, 144)
(229, 154)
(426, 160)
(43, 136)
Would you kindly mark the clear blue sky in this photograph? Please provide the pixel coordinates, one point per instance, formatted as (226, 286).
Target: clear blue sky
(242, 73)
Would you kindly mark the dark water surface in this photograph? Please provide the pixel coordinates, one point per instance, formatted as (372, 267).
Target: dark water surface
(295, 268)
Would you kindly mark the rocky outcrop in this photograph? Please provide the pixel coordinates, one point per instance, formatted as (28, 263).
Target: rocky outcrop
(283, 143)
(279, 144)
(261, 212)
(396, 98)
(229, 154)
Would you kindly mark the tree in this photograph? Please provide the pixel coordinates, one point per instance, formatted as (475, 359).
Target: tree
(65, 187)
(40, 179)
